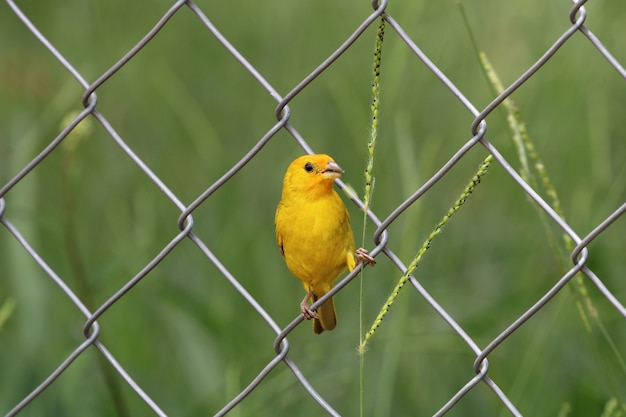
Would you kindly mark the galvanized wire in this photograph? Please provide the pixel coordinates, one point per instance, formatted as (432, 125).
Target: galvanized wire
(478, 133)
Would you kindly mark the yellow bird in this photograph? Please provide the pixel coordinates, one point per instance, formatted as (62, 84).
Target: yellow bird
(314, 235)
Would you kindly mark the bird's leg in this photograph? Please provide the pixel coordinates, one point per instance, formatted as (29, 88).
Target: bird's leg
(306, 310)
(361, 255)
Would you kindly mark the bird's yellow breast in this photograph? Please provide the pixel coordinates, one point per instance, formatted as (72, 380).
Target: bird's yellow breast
(315, 238)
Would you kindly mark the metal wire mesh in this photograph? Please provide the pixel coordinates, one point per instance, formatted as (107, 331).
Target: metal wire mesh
(91, 328)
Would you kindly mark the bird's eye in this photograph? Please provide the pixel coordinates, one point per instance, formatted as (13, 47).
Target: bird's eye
(308, 167)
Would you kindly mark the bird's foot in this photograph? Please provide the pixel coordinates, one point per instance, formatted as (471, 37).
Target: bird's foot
(306, 310)
(362, 256)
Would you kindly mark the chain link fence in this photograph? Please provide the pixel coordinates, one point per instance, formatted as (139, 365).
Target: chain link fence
(95, 312)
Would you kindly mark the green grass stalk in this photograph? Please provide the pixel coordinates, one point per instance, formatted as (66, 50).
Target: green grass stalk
(369, 186)
(529, 161)
(482, 170)
(71, 171)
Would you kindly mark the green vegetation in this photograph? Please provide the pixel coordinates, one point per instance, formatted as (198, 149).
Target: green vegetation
(190, 111)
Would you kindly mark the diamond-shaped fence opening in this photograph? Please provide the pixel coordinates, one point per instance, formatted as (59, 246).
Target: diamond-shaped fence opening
(141, 158)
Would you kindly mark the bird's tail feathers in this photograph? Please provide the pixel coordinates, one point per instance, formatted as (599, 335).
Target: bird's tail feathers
(327, 317)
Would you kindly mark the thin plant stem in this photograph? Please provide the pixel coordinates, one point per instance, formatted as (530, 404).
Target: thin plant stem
(482, 170)
(369, 187)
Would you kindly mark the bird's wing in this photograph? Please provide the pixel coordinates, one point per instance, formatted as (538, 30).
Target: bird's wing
(279, 236)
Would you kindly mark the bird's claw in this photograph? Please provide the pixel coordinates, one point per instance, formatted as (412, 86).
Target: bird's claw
(362, 256)
(307, 312)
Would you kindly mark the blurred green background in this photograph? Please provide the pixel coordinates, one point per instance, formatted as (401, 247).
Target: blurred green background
(190, 111)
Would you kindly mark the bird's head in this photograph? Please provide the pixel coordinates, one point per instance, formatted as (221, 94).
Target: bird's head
(312, 174)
